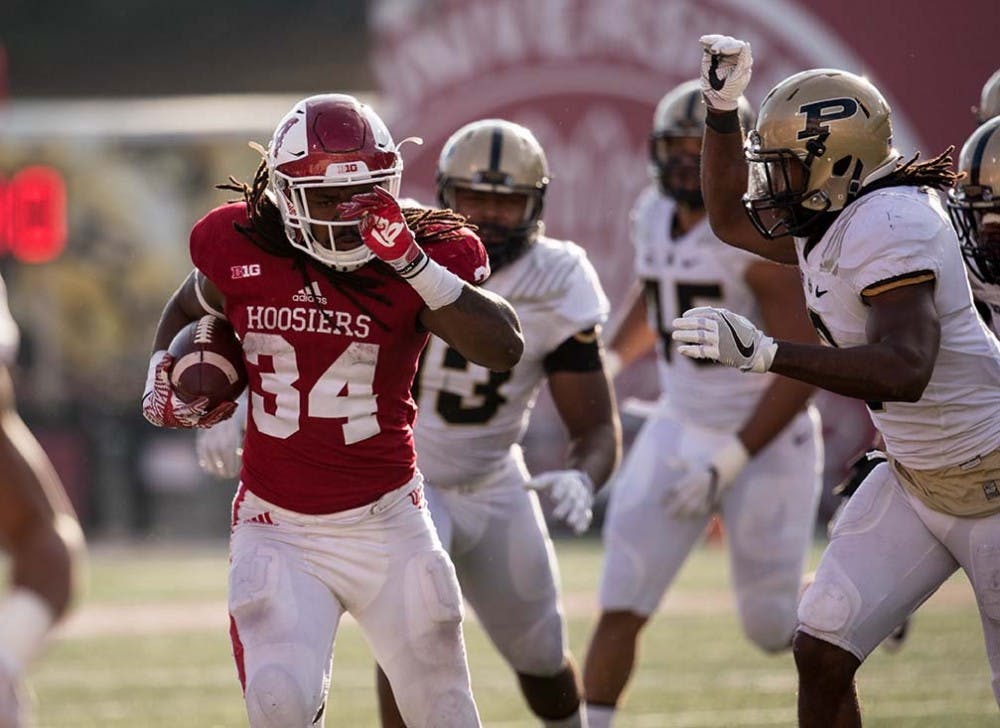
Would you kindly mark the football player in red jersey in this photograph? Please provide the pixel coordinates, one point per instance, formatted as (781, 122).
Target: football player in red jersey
(39, 532)
(333, 288)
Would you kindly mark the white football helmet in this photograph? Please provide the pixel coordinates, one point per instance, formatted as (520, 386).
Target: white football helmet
(331, 140)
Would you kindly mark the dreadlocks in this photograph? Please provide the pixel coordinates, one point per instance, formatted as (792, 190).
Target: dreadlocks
(267, 231)
(936, 173)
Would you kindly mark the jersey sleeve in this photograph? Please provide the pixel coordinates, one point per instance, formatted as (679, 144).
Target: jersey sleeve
(890, 242)
(208, 240)
(581, 304)
(464, 255)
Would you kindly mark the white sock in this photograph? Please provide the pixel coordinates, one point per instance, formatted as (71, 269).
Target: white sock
(25, 618)
(600, 716)
(576, 720)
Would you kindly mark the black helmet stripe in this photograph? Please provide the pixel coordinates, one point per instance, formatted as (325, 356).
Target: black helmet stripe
(496, 147)
(693, 99)
(977, 158)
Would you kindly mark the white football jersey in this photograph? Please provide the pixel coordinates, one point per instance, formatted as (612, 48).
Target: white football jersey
(989, 296)
(696, 269)
(885, 236)
(10, 336)
(469, 417)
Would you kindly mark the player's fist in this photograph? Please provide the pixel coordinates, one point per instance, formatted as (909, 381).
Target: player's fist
(220, 447)
(383, 228)
(572, 494)
(723, 336)
(163, 408)
(725, 71)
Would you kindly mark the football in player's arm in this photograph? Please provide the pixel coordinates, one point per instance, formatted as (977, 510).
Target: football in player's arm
(40, 535)
(332, 288)
(481, 496)
(716, 442)
(886, 288)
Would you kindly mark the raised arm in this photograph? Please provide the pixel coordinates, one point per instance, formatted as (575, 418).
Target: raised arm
(480, 326)
(725, 73)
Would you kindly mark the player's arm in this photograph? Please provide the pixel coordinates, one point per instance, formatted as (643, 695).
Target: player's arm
(480, 326)
(632, 337)
(585, 402)
(195, 297)
(903, 332)
(582, 393)
(895, 365)
(725, 73)
(779, 297)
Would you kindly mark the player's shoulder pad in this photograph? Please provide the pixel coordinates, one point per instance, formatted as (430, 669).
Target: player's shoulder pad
(460, 251)
(216, 232)
(552, 269)
(895, 220)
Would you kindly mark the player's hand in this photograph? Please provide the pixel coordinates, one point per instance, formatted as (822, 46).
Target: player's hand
(572, 493)
(383, 227)
(700, 489)
(163, 408)
(220, 448)
(725, 71)
(725, 337)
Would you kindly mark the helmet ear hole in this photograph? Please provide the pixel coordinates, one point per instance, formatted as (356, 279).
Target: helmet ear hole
(841, 166)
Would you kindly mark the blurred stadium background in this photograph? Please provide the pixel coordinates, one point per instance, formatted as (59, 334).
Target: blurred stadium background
(116, 120)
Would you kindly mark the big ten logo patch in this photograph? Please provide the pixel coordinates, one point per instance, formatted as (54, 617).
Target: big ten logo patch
(244, 271)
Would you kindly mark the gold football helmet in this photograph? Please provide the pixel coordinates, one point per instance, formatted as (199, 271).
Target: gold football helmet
(821, 136)
(974, 203)
(500, 157)
(680, 114)
(989, 99)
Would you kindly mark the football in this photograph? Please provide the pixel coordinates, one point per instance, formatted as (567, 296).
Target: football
(208, 362)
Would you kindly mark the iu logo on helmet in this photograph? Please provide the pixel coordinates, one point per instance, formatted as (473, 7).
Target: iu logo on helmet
(819, 113)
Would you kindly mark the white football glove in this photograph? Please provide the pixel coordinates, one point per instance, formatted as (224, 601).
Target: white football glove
(725, 71)
(220, 448)
(699, 491)
(725, 337)
(572, 493)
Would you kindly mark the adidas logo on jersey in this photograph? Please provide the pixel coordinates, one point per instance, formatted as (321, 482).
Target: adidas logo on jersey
(310, 294)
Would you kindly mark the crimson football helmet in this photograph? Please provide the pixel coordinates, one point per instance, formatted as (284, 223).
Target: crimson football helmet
(974, 203)
(331, 140)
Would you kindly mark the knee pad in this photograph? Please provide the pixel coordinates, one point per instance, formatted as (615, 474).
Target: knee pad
(829, 603)
(433, 605)
(768, 612)
(274, 699)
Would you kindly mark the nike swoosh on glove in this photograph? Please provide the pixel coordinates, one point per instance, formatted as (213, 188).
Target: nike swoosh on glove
(726, 65)
(700, 491)
(572, 495)
(383, 228)
(162, 407)
(723, 336)
(220, 447)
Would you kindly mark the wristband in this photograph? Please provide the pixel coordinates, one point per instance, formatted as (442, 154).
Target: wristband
(25, 619)
(434, 283)
(723, 122)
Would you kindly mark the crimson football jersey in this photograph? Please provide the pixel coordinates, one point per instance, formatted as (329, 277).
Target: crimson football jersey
(330, 425)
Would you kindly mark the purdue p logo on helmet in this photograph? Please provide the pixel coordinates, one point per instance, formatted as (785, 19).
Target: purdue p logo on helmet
(821, 136)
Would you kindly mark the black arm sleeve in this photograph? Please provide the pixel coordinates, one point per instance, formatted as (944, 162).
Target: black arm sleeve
(581, 352)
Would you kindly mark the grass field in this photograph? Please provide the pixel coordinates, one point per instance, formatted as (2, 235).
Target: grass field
(150, 648)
